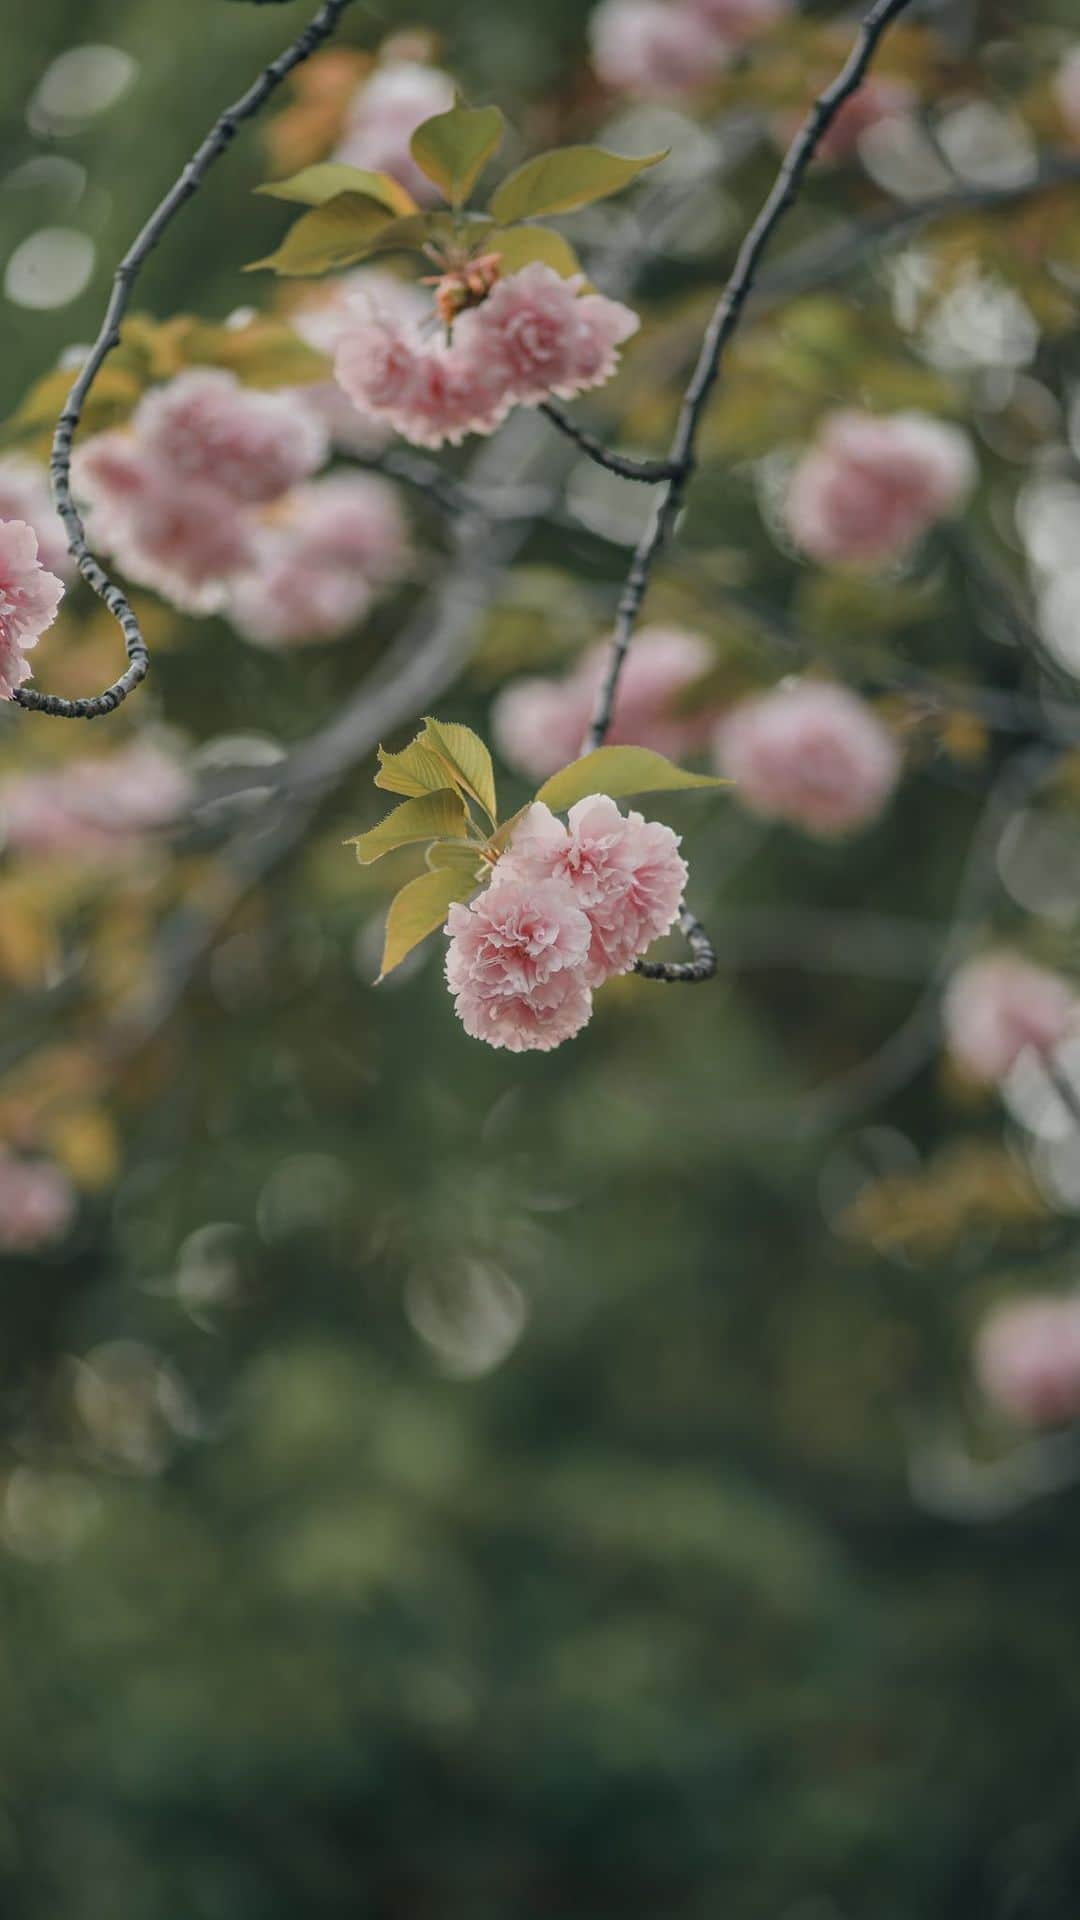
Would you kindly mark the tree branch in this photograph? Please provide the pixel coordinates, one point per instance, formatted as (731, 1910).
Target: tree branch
(650, 472)
(216, 143)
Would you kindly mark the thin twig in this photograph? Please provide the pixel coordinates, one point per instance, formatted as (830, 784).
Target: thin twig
(216, 143)
(649, 472)
(684, 972)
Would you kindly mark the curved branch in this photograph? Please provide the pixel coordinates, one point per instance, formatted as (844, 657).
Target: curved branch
(215, 144)
(649, 472)
(685, 973)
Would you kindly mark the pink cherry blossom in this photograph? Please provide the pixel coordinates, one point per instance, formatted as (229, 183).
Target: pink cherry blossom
(324, 319)
(94, 808)
(1000, 1006)
(427, 391)
(385, 113)
(29, 599)
(185, 541)
(516, 965)
(37, 1204)
(1027, 1359)
(624, 872)
(204, 428)
(539, 724)
(1067, 91)
(872, 485)
(351, 520)
(879, 98)
(547, 338)
(653, 49)
(24, 495)
(290, 597)
(739, 20)
(810, 753)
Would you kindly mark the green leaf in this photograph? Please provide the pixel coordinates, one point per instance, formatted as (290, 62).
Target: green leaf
(454, 148)
(520, 246)
(416, 769)
(429, 816)
(467, 758)
(566, 178)
(265, 353)
(462, 856)
(314, 186)
(337, 234)
(618, 771)
(418, 909)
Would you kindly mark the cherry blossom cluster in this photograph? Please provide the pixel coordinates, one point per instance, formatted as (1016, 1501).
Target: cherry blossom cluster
(669, 49)
(1000, 1007)
(871, 485)
(30, 597)
(37, 1203)
(208, 499)
(94, 809)
(534, 336)
(1027, 1359)
(569, 906)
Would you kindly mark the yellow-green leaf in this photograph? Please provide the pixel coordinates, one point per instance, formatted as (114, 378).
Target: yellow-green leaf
(467, 758)
(337, 234)
(314, 186)
(618, 771)
(430, 816)
(418, 909)
(454, 148)
(416, 769)
(463, 856)
(265, 353)
(566, 178)
(520, 246)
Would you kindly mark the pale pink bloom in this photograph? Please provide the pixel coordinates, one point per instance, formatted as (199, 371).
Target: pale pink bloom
(349, 520)
(24, 495)
(1067, 91)
(29, 599)
(324, 319)
(738, 20)
(292, 598)
(385, 113)
(871, 485)
(810, 753)
(653, 49)
(1027, 1359)
(548, 339)
(1001, 1006)
(879, 98)
(184, 541)
(94, 808)
(109, 468)
(539, 724)
(37, 1204)
(204, 428)
(624, 872)
(427, 391)
(516, 964)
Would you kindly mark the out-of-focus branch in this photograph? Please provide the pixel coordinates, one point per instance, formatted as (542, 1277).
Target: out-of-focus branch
(217, 141)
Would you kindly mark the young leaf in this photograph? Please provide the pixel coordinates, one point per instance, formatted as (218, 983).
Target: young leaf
(337, 234)
(463, 856)
(454, 148)
(618, 772)
(566, 178)
(520, 246)
(418, 909)
(467, 758)
(429, 816)
(314, 186)
(416, 769)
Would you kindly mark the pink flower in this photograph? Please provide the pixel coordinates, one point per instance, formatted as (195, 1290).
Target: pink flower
(385, 114)
(879, 98)
(292, 598)
(652, 49)
(29, 599)
(185, 541)
(1000, 1006)
(36, 1204)
(94, 808)
(739, 20)
(24, 495)
(204, 428)
(1027, 1359)
(540, 724)
(812, 754)
(323, 321)
(516, 965)
(872, 485)
(349, 520)
(1067, 91)
(428, 392)
(624, 872)
(546, 339)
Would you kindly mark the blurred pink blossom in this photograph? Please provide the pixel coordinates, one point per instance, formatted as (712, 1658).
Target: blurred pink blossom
(94, 808)
(204, 428)
(292, 598)
(539, 724)
(1027, 1359)
(653, 49)
(37, 1204)
(385, 113)
(998, 1007)
(810, 753)
(624, 872)
(24, 495)
(350, 520)
(29, 600)
(739, 20)
(879, 98)
(1067, 91)
(871, 485)
(516, 965)
(185, 540)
